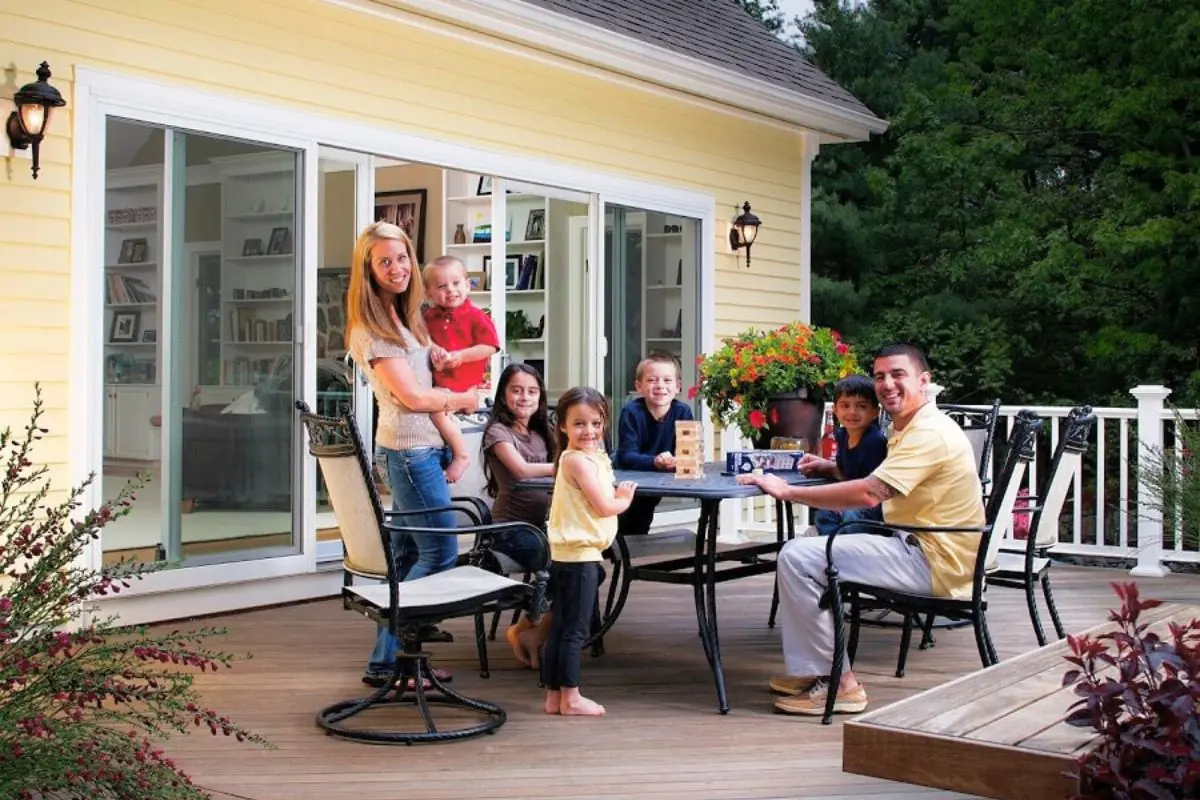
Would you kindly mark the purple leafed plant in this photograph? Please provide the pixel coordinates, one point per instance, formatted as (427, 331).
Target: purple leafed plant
(84, 702)
(1140, 692)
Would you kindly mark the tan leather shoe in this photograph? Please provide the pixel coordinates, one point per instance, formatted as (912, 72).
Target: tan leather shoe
(790, 685)
(812, 703)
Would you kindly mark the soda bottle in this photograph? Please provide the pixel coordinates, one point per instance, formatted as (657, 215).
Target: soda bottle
(828, 440)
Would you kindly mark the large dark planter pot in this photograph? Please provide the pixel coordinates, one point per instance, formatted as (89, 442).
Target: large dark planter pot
(799, 415)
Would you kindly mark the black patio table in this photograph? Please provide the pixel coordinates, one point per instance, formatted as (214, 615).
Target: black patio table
(700, 571)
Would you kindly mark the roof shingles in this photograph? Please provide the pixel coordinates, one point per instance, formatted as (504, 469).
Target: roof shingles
(717, 31)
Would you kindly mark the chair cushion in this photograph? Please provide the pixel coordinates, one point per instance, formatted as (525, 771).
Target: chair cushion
(446, 592)
(1012, 565)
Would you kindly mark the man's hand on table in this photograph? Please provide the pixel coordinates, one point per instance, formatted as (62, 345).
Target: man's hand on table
(773, 485)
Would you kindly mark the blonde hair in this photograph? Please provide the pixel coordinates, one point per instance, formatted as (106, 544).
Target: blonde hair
(658, 357)
(440, 263)
(365, 307)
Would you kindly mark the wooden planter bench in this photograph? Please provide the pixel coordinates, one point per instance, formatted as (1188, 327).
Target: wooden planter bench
(998, 732)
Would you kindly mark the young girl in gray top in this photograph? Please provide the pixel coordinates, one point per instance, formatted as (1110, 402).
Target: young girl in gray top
(518, 444)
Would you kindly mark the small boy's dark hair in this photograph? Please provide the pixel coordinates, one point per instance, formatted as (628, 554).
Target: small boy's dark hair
(856, 386)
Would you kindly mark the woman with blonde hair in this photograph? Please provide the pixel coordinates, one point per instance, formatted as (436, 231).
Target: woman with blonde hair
(423, 448)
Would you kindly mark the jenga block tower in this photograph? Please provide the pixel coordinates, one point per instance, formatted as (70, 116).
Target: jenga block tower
(689, 458)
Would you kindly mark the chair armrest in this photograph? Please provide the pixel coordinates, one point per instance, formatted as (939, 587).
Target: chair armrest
(482, 511)
(466, 512)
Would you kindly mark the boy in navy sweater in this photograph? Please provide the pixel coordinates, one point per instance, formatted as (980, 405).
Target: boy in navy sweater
(861, 447)
(646, 433)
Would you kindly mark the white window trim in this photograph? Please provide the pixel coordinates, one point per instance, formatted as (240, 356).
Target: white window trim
(100, 93)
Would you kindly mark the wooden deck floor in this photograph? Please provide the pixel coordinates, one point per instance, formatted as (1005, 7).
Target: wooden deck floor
(662, 736)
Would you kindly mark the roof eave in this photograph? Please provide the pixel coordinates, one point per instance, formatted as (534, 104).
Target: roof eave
(575, 39)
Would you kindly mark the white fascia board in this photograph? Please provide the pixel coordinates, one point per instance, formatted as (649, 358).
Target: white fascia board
(571, 38)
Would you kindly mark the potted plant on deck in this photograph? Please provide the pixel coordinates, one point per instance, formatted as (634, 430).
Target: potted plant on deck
(773, 383)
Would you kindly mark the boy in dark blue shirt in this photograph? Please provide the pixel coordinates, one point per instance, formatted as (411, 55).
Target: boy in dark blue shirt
(646, 433)
(861, 447)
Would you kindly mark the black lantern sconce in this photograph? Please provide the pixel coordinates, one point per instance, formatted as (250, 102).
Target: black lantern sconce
(744, 231)
(34, 101)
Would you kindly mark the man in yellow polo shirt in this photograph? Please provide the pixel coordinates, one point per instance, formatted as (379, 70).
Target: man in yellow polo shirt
(930, 477)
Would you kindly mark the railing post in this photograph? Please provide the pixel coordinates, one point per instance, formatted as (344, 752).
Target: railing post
(730, 514)
(932, 391)
(1149, 518)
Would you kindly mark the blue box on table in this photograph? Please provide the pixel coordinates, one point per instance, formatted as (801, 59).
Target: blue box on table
(742, 462)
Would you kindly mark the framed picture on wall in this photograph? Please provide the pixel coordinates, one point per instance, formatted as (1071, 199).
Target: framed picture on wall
(485, 185)
(125, 326)
(406, 209)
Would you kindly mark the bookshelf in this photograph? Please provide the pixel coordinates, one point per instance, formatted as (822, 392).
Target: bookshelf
(258, 272)
(132, 266)
(517, 292)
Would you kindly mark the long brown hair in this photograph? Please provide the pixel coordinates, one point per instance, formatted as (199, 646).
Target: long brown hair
(580, 395)
(501, 414)
(365, 306)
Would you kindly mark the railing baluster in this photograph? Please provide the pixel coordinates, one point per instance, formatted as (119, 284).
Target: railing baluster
(1101, 474)
(1123, 485)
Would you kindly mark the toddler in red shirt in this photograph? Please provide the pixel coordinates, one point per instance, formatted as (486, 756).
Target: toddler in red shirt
(464, 337)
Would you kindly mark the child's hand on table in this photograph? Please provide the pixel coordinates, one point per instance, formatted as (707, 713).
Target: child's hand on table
(625, 490)
(665, 462)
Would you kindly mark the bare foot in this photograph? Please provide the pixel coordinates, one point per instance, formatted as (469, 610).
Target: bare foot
(513, 634)
(553, 701)
(576, 705)
(531, 646)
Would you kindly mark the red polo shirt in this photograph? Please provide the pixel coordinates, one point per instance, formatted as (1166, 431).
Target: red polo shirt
(457, 329)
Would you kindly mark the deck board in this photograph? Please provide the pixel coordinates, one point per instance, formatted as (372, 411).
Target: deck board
(662, 736)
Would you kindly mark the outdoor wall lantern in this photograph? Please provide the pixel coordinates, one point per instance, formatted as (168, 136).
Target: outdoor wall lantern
(744, 231)
(34, 101)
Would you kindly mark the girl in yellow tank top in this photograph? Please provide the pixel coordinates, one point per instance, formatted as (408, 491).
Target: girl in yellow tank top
(583, 522)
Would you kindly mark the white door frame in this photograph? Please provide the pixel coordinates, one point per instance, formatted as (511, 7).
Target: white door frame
(363, 398)
(101, 93)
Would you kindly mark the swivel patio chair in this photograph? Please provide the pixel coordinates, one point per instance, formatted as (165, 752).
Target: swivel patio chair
(1029, 566)
(467, 590)
(972, 609)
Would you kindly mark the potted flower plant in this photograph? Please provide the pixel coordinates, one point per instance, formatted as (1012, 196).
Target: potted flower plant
(772, 383)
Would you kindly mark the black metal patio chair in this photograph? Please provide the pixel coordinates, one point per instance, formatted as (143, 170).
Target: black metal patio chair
(466, 590)
(972, 609)
(1027, 567)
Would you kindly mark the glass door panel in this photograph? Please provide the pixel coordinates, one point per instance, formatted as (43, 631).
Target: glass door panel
(343, 208)
(651, 301)
(231, 489)
(134, 269)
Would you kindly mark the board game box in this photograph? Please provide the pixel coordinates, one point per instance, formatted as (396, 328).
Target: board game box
(741, 462)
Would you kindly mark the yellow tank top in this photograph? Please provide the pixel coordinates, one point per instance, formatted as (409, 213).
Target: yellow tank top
(575, 531)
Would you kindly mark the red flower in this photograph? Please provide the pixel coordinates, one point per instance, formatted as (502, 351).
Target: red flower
(758, 419)
(692, 392)
(842, 348)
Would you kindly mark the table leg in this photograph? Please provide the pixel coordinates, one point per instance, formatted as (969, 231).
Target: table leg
(704, 582)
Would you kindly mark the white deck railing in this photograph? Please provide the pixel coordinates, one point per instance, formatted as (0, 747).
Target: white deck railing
(1106, 513)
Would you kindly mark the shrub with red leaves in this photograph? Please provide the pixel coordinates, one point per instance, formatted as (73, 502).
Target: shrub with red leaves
(1144, 702)
(83, 699)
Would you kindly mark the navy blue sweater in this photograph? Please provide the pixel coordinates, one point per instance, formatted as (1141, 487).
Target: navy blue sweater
(861, 460)
(640, 437)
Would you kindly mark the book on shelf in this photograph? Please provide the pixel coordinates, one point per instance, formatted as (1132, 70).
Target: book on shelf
(246, 326)
(122, 289)
(527, 275)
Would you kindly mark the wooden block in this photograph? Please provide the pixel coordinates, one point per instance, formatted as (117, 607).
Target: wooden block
(688, 471)
(686, 431)
(686, 450)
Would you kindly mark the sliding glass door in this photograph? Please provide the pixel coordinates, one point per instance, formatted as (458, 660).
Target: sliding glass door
(202, 299)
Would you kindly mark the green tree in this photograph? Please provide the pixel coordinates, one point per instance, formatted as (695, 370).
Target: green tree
(765, 11)
(1031, 216)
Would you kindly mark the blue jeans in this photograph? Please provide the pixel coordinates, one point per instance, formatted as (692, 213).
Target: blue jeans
(828, 521)
(523, 547)
(417, 480)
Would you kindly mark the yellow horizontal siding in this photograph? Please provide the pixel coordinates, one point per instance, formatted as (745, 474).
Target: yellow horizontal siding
(323, 58)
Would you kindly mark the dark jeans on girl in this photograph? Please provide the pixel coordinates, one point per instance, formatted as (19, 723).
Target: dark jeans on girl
(573, 589)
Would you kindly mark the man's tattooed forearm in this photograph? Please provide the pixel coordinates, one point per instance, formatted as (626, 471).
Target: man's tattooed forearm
(880, 490)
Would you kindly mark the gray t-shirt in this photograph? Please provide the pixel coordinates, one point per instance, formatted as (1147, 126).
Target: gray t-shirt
(509, 505)
(399, 427)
